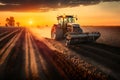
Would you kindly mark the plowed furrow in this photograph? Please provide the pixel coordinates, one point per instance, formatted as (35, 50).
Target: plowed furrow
(4, 40)
(10, 60)
(44, 64)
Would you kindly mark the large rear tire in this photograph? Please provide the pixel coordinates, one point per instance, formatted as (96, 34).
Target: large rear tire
(57, 35)
(53, 36)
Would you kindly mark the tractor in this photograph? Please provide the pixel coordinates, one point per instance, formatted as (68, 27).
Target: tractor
(71, 32)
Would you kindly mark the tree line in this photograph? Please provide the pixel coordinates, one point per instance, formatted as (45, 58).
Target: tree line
(10, 22)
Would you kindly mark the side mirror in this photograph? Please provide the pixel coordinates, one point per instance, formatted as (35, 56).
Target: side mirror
(76, 18)
(57, 18)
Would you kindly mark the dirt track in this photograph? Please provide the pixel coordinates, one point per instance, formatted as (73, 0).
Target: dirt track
(23, 56)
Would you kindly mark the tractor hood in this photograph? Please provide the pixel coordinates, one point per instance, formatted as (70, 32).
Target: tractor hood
(73, 24)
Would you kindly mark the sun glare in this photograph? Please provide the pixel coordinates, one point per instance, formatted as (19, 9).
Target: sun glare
(30, 22)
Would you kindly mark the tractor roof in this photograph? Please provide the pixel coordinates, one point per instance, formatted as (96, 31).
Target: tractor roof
(65, 16)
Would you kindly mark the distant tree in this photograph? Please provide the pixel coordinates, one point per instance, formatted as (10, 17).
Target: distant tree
(6, 25)
(7, 20)
(18, 24)
(10, 21)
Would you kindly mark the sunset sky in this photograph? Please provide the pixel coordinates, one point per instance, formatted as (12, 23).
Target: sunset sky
(44, 12)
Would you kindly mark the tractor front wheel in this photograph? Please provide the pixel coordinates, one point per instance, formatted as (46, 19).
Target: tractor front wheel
(67, 43)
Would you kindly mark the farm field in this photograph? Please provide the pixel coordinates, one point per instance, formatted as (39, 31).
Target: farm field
(109, 35)
(30, 54)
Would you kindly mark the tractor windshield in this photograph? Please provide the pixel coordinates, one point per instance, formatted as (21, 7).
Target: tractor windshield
(63, 20)
(66, 19)
(69, 20)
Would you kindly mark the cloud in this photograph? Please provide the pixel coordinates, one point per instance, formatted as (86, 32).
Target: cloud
(44, 5)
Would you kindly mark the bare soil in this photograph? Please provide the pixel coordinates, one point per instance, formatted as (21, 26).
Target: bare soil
(25, 55)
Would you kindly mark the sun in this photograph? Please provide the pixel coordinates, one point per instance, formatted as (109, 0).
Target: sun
(30, 22)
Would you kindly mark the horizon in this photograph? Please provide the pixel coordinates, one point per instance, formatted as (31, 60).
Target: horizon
(100, 13)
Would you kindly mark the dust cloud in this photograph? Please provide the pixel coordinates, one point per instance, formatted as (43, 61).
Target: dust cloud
(43, 32)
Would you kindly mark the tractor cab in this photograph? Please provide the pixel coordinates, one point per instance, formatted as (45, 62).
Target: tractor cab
(68, 24)
(64, 20)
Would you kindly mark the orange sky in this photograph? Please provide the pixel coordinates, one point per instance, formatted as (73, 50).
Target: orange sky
(107, 13)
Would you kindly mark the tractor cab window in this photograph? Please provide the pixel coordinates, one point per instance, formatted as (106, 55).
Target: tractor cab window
(63, 20)
(70, 20)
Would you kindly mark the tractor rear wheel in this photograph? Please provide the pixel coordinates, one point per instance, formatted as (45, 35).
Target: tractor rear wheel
(53, 36)
(57, 35)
